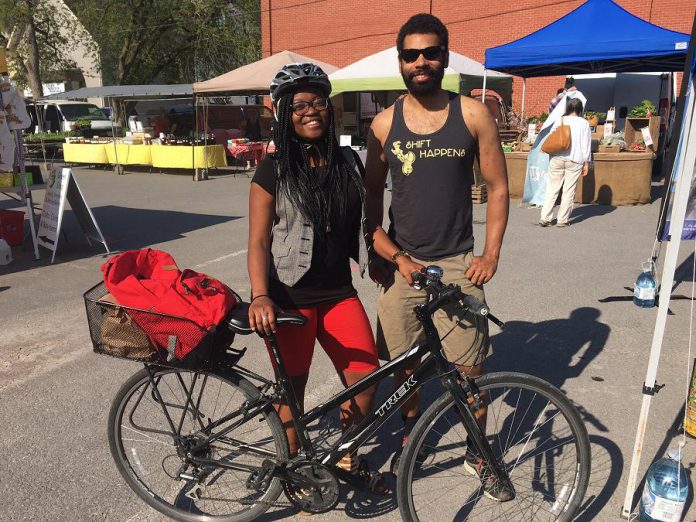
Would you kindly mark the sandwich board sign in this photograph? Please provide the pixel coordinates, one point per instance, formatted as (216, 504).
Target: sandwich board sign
(62, 187)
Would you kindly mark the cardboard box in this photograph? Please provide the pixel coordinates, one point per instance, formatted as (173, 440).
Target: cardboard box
(609, 148)
(632, 130)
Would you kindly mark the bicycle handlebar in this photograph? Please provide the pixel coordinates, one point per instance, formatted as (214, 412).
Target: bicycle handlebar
(432, 279)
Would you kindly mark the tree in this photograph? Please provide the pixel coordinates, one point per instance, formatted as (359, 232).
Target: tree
(36, 34)
(170, 41)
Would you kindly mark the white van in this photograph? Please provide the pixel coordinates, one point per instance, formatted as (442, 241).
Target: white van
(61, 116)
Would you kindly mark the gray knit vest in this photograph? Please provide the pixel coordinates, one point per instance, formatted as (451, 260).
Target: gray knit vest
(292, 238)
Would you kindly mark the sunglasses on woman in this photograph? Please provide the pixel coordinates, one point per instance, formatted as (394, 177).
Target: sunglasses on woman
(429, 53)
(300, 108)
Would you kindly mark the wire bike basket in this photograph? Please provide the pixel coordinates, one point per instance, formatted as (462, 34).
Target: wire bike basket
(127, 333)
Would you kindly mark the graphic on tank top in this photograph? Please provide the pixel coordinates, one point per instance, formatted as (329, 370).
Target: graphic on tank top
(422, 149)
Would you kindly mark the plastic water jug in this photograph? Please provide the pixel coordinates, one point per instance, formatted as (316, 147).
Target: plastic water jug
(645, 289)
(665, 492)
(5, 253)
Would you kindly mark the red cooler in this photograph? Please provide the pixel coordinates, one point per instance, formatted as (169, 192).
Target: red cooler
(12, 227)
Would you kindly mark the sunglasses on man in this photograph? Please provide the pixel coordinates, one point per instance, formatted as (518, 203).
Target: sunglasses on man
(434, 52)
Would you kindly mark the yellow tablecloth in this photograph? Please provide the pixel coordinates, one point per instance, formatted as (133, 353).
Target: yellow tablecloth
(160, 156)
(181, 156)
(85, 153)
(124, 154)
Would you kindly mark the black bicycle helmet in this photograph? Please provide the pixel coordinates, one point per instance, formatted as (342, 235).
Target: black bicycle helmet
(294, 75)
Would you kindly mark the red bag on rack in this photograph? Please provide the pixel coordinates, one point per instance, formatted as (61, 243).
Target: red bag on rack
(191, 304)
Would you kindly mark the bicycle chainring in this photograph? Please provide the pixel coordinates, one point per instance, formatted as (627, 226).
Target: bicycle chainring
(312, 499)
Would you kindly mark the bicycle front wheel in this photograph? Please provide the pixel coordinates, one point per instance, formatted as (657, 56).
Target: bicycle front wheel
(155, 460)
(534, 432)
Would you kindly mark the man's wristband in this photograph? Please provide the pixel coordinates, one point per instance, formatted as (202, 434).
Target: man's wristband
(398, 254)
(257, 296)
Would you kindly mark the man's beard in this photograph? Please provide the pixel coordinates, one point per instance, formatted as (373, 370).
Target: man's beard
(428, 87)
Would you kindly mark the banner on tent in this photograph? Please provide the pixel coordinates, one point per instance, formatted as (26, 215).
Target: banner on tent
(538, 162)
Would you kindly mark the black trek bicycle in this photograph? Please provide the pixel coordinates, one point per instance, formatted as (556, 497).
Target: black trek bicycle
(206, 443)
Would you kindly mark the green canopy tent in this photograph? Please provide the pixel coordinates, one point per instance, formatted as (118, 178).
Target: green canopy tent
(380, 72)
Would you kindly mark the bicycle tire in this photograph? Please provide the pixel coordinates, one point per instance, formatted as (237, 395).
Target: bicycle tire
(424, 477)
(142, 444)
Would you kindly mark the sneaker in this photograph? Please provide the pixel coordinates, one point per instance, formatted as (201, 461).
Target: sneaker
(492, 488)
(543, 223)
(561, 225)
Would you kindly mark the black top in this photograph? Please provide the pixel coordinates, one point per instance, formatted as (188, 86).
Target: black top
(430, 213)
(328, 278)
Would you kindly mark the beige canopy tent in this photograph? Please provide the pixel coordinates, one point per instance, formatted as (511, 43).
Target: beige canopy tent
(255, 77)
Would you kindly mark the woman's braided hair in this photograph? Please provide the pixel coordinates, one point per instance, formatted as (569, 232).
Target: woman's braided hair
(317, 195)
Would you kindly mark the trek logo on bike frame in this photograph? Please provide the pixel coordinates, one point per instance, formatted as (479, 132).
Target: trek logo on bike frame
(396, 396)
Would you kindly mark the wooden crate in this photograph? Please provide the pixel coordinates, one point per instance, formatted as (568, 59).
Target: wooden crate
(479, 194)
(633, 126)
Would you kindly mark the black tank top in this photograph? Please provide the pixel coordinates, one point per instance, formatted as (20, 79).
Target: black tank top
(430, 214)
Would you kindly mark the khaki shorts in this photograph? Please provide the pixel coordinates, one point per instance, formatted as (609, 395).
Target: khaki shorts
(398, 329)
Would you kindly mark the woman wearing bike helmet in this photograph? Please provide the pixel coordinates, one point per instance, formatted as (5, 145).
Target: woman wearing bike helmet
(306, 218)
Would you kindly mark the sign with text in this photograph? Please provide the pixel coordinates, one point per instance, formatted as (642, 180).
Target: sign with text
(62, 187)
(608, 129)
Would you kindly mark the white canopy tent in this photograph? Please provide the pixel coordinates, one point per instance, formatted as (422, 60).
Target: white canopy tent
(380, 72)
(256, 77)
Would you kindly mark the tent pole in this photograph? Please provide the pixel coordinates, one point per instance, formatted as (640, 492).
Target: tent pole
(485, 74)
(685, 167)
(524, 93)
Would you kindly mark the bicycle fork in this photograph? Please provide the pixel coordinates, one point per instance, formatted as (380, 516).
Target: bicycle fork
(466, 398)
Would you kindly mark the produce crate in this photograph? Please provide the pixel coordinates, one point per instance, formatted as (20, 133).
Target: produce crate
(525, 147)
(479, 194)
(609, 148)
(632, 130)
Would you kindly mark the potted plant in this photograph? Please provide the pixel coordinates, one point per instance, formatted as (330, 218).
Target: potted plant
(645, 110)
(592, 118)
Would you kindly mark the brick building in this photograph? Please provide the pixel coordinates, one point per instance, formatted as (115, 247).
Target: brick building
(343, 31)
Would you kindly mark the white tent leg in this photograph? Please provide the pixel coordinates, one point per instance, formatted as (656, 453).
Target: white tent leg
(485, 74)
(524, 95)
(687, 160)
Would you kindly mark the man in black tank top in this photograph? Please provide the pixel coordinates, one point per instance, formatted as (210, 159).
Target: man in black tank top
(428, 139)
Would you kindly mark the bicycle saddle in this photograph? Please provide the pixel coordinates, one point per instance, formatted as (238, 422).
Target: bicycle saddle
(238, 320)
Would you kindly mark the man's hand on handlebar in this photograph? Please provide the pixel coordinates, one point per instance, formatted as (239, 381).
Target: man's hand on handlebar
(407, 267)
(262, 315)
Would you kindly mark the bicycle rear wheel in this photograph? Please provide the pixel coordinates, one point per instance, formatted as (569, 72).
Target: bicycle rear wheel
(535, 433)
(155, 463)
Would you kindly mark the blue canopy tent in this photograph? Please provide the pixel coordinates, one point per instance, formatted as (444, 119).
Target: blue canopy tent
(574, 45)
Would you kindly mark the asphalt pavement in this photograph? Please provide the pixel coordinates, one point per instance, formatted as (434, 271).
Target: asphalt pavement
(565, 294)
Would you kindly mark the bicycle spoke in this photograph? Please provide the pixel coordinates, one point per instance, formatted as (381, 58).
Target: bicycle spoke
(532, 439)
(156, 463)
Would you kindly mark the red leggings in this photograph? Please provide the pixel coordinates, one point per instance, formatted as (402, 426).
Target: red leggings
(342, 329)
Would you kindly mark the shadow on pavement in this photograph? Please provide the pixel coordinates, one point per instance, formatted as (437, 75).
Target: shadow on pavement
(556, 351)
(129, 228)
(584, 212)
(123, 228)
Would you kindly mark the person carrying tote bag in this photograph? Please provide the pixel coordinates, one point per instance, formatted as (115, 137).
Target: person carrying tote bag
(558, 141)
(569, 146)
